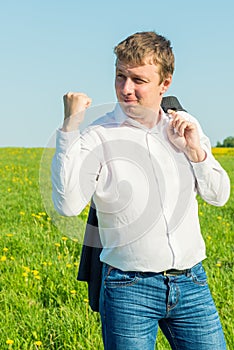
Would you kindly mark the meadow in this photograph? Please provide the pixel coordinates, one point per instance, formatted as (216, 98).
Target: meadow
(42, 305)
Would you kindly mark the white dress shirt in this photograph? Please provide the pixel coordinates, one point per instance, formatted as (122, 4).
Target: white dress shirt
(144, 190)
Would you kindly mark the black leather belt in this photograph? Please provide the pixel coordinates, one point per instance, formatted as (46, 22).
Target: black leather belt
(174, 272)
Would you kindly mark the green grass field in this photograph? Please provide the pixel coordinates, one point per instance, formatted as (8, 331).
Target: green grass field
(42, 306)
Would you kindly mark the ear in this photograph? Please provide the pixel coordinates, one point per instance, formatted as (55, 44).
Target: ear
(165, 84)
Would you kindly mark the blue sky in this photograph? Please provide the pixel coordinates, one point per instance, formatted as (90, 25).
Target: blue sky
(49, 47)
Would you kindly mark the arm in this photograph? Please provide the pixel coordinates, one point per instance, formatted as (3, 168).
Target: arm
(75, 165)
(212, 181)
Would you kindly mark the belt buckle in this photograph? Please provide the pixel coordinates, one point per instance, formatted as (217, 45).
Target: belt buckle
(173, 272)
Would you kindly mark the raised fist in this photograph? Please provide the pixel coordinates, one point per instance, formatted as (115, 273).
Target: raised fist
(75, 105)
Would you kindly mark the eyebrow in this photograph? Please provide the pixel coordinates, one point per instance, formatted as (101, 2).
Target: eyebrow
(135, 75)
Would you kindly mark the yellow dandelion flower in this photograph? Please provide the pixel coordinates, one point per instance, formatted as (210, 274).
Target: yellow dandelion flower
(37, 277)
(76, 263)
(22, 213)
(9, 189)
(86, 300)
(64, 238)
(25, 274)
(219, 217)
(49, 263)
(9, 342)
(42, 213)
(33, 214)
(44, 263)
(9, 235)
(218, 264)
(209, 237)
(48, 219)
(26, 268)
(69, 265)
(38, 343)
(73, 291)
(3, 258)
(57, 244)
(5, 249)
(35, 272)
(12, 258)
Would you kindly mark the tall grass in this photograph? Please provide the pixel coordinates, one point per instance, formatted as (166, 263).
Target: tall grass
(42, 306)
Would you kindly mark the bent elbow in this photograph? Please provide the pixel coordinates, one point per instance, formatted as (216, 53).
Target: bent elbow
(64, 209)
(218, 203)
(221, 200)
(224, 192)
(66, 212)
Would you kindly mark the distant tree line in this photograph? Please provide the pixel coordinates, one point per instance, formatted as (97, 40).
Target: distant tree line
(228, 142)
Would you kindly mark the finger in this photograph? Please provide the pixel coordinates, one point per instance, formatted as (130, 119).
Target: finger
(89, 101)
(175, 117)
(171, 130)
(178, 124)
(177, 121)
(182, 126)
(171, 112)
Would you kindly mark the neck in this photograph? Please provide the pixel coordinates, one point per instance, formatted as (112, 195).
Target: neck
(149, 118)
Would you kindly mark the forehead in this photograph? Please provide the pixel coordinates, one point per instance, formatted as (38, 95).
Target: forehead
(145, 68)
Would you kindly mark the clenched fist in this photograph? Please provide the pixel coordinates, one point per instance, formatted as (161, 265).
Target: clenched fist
(75, 105)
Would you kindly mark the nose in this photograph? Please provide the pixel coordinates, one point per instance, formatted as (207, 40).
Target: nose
(127, 87)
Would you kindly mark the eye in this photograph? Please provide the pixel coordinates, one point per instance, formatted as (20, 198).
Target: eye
(120, 76)
(139, 81)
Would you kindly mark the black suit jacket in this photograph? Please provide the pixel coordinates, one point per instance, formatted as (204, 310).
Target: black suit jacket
(90, 268)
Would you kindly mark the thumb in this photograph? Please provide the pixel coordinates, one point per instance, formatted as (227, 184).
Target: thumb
(172, 113)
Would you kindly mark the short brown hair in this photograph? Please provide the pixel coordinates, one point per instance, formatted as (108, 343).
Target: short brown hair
(136, 48)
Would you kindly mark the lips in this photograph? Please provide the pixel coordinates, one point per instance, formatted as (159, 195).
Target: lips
(130, 101)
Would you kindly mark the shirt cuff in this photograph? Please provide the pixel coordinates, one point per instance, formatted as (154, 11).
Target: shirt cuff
(201, 169)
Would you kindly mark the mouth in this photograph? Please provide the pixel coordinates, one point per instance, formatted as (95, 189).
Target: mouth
(130, 101)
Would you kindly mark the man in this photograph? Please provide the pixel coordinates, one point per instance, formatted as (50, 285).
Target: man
(144, 168)
(90, 267)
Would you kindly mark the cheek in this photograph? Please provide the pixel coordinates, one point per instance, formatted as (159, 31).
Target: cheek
(118, 92)
(117, 86)
(142, 92)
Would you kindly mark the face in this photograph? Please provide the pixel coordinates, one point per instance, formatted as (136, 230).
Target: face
(138, 88)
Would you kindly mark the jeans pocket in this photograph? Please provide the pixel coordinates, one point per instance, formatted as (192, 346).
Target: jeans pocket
(198, 275)
(117, 278)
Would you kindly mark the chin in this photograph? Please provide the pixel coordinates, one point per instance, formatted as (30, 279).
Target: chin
(132, 110)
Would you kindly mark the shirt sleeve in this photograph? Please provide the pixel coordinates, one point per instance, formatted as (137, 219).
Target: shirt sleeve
(212, 181)
(74, 171)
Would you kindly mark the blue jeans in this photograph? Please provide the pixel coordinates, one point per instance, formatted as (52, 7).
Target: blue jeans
(133, 304)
